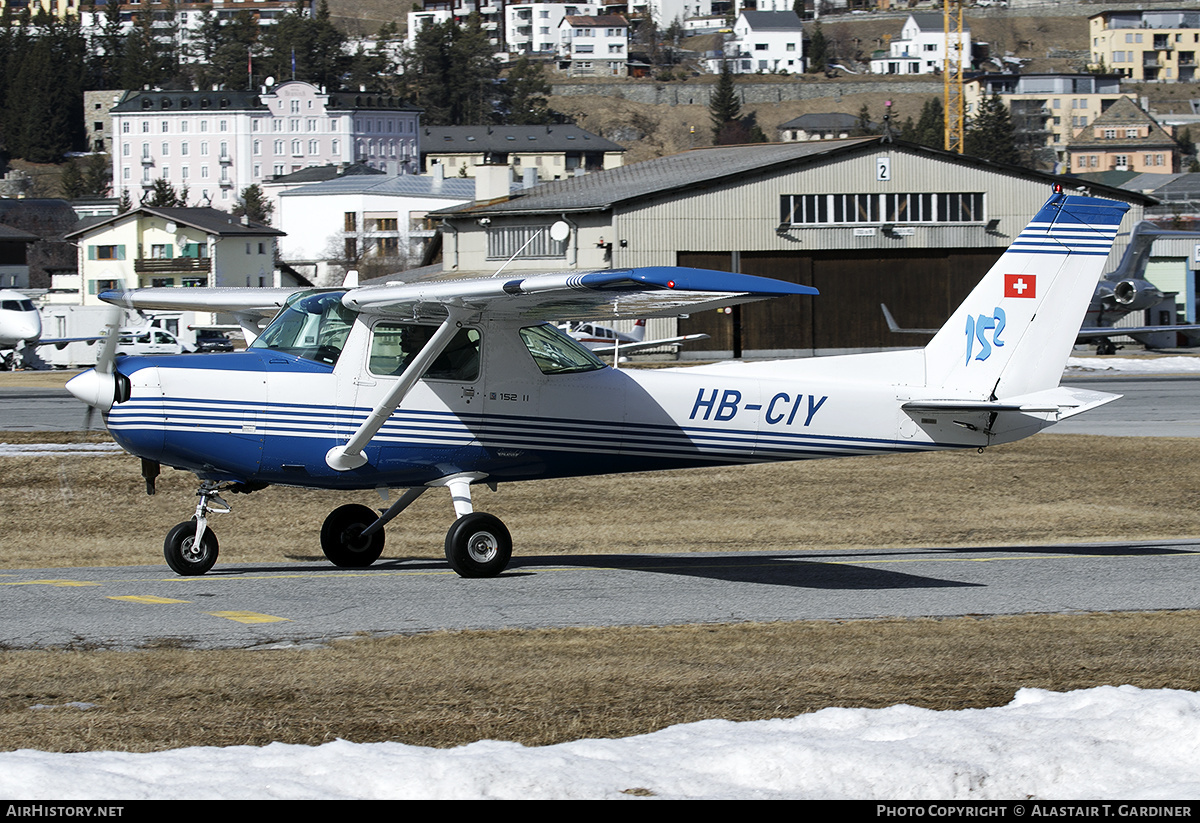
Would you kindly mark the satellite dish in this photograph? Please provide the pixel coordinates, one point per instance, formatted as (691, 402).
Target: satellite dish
(270, 81)
(560, 231)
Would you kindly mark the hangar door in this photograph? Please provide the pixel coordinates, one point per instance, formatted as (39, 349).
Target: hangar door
(921, 288)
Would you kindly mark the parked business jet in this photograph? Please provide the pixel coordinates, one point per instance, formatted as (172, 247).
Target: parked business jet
(603, 339)
(1119, 293)
(21, 326)
(455, 383)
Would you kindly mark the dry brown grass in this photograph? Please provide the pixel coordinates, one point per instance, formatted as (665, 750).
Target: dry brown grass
(547, 686)
(541, 687)
(83, 511)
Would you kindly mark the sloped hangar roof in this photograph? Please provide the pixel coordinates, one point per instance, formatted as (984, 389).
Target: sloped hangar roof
(602, 190)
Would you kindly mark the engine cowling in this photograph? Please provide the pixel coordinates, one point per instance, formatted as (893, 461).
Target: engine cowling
(1134, 293)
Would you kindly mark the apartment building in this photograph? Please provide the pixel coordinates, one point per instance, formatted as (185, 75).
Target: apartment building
(1047, 109)
(1147, 46)
(219, 142)
(594, 45)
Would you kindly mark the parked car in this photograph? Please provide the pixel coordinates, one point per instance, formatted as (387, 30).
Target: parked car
(212, 340)
(148, 341)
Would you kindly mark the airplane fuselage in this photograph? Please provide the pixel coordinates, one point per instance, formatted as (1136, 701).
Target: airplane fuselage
(20, 322)
(265, 416)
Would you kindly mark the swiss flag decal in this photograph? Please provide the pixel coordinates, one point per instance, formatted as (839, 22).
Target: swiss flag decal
(1020, 285)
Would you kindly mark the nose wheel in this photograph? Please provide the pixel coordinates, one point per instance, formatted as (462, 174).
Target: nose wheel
(185, 554)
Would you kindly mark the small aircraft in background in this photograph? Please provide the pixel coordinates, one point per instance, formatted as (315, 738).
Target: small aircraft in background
(21, 327)
(453, 383)
(604, 340)
(1118, 294)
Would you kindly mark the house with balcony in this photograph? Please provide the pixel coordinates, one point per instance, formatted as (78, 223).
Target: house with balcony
(174, 247)
(360, 220)
(923, 46)
(1125, 139)
(513, 28)
(594, 45)
(763, 41)
(1157, 46)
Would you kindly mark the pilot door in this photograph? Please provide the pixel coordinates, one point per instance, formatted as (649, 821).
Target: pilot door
(435, 428)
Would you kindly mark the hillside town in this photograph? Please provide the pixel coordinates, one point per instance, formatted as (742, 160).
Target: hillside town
(217, 144)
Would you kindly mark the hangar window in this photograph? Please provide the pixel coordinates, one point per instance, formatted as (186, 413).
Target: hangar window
(523, 242)
(860, 209)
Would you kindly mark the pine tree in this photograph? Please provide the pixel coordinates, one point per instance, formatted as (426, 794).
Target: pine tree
(930, 129)
(254, 205)
(162, 195)
(525, 92)
(864, 126)
(451, 73)
(818, 50)
(724, 106)
(990, 134)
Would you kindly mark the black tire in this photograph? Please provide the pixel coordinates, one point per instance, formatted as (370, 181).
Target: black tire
(342, 540)
(478, 545)
(181, 554)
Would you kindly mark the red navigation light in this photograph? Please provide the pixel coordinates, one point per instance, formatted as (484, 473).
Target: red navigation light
(670, 284)
(1058, 188)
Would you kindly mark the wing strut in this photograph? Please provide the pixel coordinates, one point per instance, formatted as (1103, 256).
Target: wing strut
(350, 456)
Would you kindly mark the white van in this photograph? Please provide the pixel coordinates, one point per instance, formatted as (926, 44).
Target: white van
(148, 341)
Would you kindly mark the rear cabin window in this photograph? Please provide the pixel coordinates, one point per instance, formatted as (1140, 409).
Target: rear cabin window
(557, 353)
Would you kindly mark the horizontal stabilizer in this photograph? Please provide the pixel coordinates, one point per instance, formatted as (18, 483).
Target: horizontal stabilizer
(1063, 401)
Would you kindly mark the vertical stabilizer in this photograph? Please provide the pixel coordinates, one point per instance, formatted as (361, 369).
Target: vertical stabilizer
(1013, 334)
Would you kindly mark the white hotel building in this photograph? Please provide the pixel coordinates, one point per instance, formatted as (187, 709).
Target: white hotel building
(216, 143)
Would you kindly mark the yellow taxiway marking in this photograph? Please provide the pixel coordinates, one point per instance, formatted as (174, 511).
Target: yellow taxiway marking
(53, 583)
(249, 617)
(146, 598)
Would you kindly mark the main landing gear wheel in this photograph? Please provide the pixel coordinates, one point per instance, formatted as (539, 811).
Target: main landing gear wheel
(478, 545)
(184, 556)
(342, 540)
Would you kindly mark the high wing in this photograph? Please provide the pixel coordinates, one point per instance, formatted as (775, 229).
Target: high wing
(642, 292)
(656, 291)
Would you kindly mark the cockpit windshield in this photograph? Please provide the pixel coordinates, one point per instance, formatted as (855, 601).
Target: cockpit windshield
(313, 325)
(17, 305)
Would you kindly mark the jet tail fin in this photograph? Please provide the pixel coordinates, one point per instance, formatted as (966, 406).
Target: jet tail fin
(1012, 335)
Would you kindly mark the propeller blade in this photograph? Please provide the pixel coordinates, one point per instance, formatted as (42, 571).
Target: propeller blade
(108, 352)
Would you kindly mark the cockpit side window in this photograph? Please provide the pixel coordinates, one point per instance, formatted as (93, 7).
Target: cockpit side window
(393, 345)
(557, 353)
(312, 325)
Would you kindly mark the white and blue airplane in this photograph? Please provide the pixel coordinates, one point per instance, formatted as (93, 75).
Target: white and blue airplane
(455, 383)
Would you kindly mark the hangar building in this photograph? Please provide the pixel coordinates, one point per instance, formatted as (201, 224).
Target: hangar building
(864, 220)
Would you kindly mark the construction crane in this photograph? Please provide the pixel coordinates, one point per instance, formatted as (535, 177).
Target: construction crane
(952, 76)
